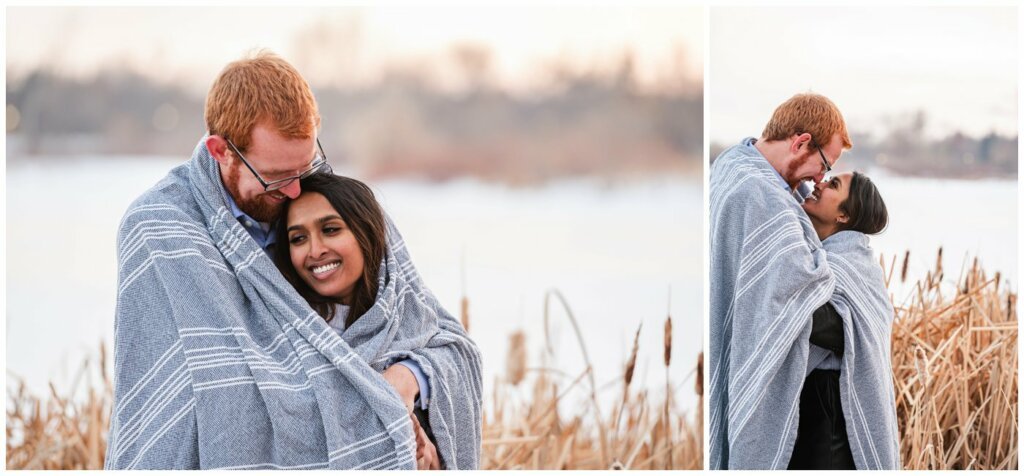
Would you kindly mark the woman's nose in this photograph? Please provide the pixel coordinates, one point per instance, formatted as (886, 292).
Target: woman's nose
(316, 247)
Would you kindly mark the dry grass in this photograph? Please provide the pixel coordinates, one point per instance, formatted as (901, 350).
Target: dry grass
(60, 433)
(527, 429)
(954, 365)
(955, 371)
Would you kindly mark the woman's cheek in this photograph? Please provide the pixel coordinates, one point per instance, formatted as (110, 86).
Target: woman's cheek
(295, 251)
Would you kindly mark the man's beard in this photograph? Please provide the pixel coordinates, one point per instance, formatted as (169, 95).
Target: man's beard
(256, 207)
(790, 175)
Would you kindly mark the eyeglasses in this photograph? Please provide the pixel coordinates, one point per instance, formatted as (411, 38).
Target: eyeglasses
(318, 164)
(824, 161)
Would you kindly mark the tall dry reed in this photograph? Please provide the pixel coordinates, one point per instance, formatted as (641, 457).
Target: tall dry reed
(64, 432)
(954, 362)
(954, 366)
(60, 432)
(527, 429)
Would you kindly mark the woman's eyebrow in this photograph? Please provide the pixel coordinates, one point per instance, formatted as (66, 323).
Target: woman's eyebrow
(327, 218)
(319, 221)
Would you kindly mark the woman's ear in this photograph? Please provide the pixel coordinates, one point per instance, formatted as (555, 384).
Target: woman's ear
(842, 218)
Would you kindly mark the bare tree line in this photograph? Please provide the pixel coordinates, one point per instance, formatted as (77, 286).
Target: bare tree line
(906, 150)
(586, 123)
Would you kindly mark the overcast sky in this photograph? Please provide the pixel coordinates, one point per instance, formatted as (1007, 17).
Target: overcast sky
(957, 64)
(189, 45)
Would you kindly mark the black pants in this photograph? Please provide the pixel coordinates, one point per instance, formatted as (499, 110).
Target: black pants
(821, 441)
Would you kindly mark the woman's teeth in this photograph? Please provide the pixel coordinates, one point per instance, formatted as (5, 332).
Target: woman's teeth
(325, 268)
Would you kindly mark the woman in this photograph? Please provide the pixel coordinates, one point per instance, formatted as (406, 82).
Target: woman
(338, 259)
(847, 405)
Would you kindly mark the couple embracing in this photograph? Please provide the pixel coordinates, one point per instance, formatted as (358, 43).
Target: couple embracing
(269, 315)
(801, 323)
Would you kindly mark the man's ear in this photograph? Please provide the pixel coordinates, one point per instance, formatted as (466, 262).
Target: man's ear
(798, 141)
(218, 148)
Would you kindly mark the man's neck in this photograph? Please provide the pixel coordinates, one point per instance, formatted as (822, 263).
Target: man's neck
(773, 152)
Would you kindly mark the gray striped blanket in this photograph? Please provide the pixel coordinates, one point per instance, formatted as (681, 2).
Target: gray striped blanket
(768, 275)
(865, 382)
(219, 363)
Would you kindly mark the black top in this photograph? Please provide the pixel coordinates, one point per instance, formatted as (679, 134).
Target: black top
(827, 329)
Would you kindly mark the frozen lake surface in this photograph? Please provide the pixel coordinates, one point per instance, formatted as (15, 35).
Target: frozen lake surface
(613, 251)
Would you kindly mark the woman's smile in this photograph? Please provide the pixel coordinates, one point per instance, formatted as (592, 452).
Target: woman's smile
(815, 194)
(324, 271)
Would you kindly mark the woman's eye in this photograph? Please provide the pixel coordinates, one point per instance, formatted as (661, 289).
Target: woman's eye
(833, 183)
(296, 239)
(330, 230)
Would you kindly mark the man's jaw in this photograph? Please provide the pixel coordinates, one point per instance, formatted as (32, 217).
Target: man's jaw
(263, 208)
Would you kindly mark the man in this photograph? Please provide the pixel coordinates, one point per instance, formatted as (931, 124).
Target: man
(768, 276)
(218, 362)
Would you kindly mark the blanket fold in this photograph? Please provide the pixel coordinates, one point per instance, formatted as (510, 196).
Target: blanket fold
(219, 363)
(768, 275)
(865, 381)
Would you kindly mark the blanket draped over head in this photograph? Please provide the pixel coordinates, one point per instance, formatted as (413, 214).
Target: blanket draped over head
(865, 381)
(220, 363)
(768, 275)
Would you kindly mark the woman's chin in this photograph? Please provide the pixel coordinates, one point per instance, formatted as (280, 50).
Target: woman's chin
(335, 291)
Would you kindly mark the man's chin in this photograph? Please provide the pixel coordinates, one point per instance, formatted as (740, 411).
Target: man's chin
(262, 210)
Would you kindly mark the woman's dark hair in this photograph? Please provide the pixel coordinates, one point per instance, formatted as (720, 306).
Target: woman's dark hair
(355, 203)
(864, 207)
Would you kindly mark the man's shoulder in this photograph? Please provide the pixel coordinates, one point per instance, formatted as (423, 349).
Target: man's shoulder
(751, 186)
(740, 163)
(736, 153)
(169, 199)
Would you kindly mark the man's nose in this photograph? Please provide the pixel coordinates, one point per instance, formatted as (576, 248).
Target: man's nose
(818, 178)
(292, 190)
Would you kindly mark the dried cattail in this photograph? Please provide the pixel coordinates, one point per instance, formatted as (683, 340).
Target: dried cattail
(465, 313)
(516, 361)
(668, 341)
(921, 365)
(903, 273)
(699, 386)
(631, 363)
